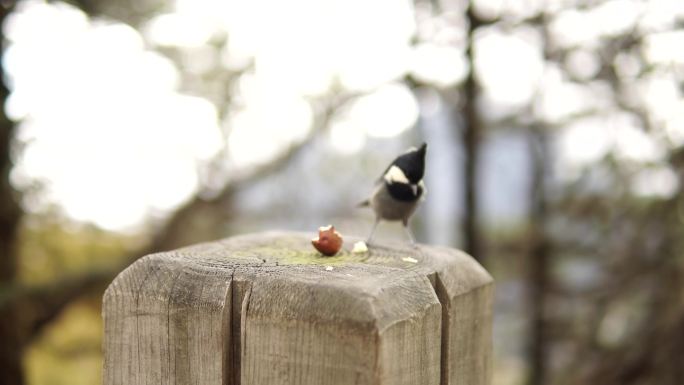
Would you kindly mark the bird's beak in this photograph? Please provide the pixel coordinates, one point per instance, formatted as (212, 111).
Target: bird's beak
(414, 188)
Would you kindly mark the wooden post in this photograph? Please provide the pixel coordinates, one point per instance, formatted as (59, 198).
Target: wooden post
(267, 309)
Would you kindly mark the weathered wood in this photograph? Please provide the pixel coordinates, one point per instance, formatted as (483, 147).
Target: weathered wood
(268, 309)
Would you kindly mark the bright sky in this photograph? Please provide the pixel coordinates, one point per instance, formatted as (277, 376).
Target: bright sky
(113, 139)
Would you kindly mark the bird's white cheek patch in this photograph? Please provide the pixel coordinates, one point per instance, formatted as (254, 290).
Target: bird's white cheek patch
(394, 174)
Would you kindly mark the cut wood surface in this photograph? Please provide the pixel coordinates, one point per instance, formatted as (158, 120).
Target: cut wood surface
(268, 309)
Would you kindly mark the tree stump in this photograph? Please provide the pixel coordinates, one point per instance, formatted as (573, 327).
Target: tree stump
(268, 309)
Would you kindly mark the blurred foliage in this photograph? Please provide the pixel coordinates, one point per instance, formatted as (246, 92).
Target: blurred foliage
(616, 308)
(52, 246)
(69, 351)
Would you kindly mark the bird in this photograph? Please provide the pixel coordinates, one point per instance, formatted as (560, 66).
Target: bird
(399, 190)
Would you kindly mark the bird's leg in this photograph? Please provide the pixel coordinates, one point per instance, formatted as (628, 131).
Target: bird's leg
(409, 233)
(370, 236)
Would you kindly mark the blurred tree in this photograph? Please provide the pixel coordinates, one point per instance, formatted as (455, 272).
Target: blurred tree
(603, 260)
(26, 308)
(10, 217)
(538, 256)
(472, 132)
(600, 221)
(628, 323)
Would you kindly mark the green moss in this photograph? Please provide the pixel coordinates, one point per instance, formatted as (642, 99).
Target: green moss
(289, 255)
(286, 255)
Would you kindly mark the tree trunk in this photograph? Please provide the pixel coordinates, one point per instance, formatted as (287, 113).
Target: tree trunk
(471, 144)
(538, 259)
(10, 216)
(10, 212)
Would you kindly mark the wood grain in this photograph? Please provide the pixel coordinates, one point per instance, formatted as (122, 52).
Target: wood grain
(268, 309)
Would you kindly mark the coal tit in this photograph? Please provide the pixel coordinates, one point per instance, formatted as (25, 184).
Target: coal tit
(400, 189)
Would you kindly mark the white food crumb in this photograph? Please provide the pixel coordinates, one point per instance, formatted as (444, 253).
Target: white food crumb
(360, 247)
(409, 259)
(328, 268)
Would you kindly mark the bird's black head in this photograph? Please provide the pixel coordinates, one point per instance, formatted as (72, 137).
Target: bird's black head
(412, 163)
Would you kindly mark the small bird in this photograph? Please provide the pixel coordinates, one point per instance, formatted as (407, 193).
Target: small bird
(399, 191)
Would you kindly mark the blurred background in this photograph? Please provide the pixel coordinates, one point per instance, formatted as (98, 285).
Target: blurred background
(555, 131)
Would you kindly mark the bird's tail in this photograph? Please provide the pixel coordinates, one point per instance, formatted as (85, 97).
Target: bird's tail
(365, 203)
